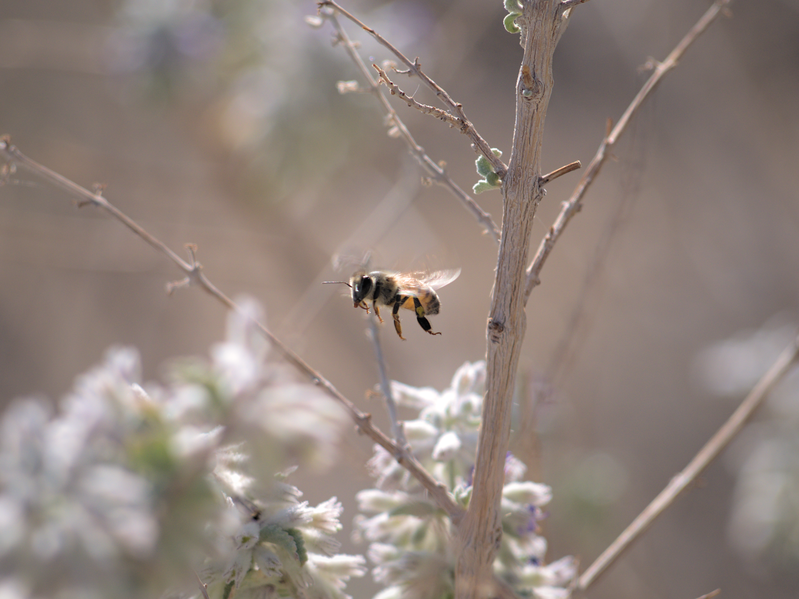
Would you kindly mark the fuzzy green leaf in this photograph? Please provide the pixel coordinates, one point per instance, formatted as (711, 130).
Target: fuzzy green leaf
(483, 166)
(510, 23)
(282, 538)
(482, 186)
(299, 541)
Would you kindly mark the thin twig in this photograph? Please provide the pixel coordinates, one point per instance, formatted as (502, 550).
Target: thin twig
(436, 173)
(711, 594)
(559, 172)
(574, 204)
(196, 276)
(395, 90)
(414, 67)
(385, 386)
(784, 363)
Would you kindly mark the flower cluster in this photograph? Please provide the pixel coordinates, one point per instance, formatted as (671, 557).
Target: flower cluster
(281, 547)
(411, 539)
(124, 488)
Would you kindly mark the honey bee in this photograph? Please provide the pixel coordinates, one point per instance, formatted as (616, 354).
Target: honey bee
(412, 291)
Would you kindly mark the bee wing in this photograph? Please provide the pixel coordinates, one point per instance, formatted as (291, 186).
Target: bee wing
(439, 278)
(348, 259)
(412, 282)
(409, 282)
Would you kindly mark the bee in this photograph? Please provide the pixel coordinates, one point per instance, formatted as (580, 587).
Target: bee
(412, 291)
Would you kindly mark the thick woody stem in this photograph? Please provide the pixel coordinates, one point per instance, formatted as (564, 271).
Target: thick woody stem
(479, 535)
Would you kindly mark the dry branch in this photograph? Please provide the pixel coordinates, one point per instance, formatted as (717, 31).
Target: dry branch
(385, 385)
(574, 203)
(436, 173)
(414, 67)
(784, 363)
(196, 276)
(542, 23)
(395, 90)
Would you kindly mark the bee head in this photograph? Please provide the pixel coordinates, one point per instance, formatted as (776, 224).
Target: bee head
(361, 285)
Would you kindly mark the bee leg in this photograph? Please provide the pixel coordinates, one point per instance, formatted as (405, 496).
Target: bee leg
(377, 312)
(423, 322)
(395, 314)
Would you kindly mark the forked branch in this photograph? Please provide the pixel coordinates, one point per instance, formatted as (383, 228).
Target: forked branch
(435, 171)
(414, 67)
(196, 276)
(395, 90)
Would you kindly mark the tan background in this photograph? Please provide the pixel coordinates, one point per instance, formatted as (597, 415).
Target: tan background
(707, 246)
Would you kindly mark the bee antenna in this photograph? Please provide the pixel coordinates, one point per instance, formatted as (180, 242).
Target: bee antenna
(337, 283)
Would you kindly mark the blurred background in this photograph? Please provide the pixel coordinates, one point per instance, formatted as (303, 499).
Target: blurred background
(219, 123)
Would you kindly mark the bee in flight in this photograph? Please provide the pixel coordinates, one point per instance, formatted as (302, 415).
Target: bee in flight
(412, 291)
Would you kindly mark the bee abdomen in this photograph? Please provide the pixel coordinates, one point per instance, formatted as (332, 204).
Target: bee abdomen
(432, 305)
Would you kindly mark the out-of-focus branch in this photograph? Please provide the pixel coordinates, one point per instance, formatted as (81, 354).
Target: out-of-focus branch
(785, 362)
(415, 68)
(574, 203)
(385, 385)
(196, 277)
(436, 173)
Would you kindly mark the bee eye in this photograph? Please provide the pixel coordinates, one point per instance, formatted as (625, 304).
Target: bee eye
(365, 285)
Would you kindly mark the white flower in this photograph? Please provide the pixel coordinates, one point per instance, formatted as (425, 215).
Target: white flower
(527, 492)
(447, 447)
(331, 574)
(410, 536)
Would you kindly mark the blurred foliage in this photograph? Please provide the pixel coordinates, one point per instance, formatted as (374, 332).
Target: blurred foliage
(127, 488)
(248, 73)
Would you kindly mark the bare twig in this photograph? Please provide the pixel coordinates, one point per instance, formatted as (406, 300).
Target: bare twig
(385, 385)
(785, 362)
(436, 173)
(574, 204)
(395, 90)
(711, 594)
(195, 276)
(414, 67)
(559, 172)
